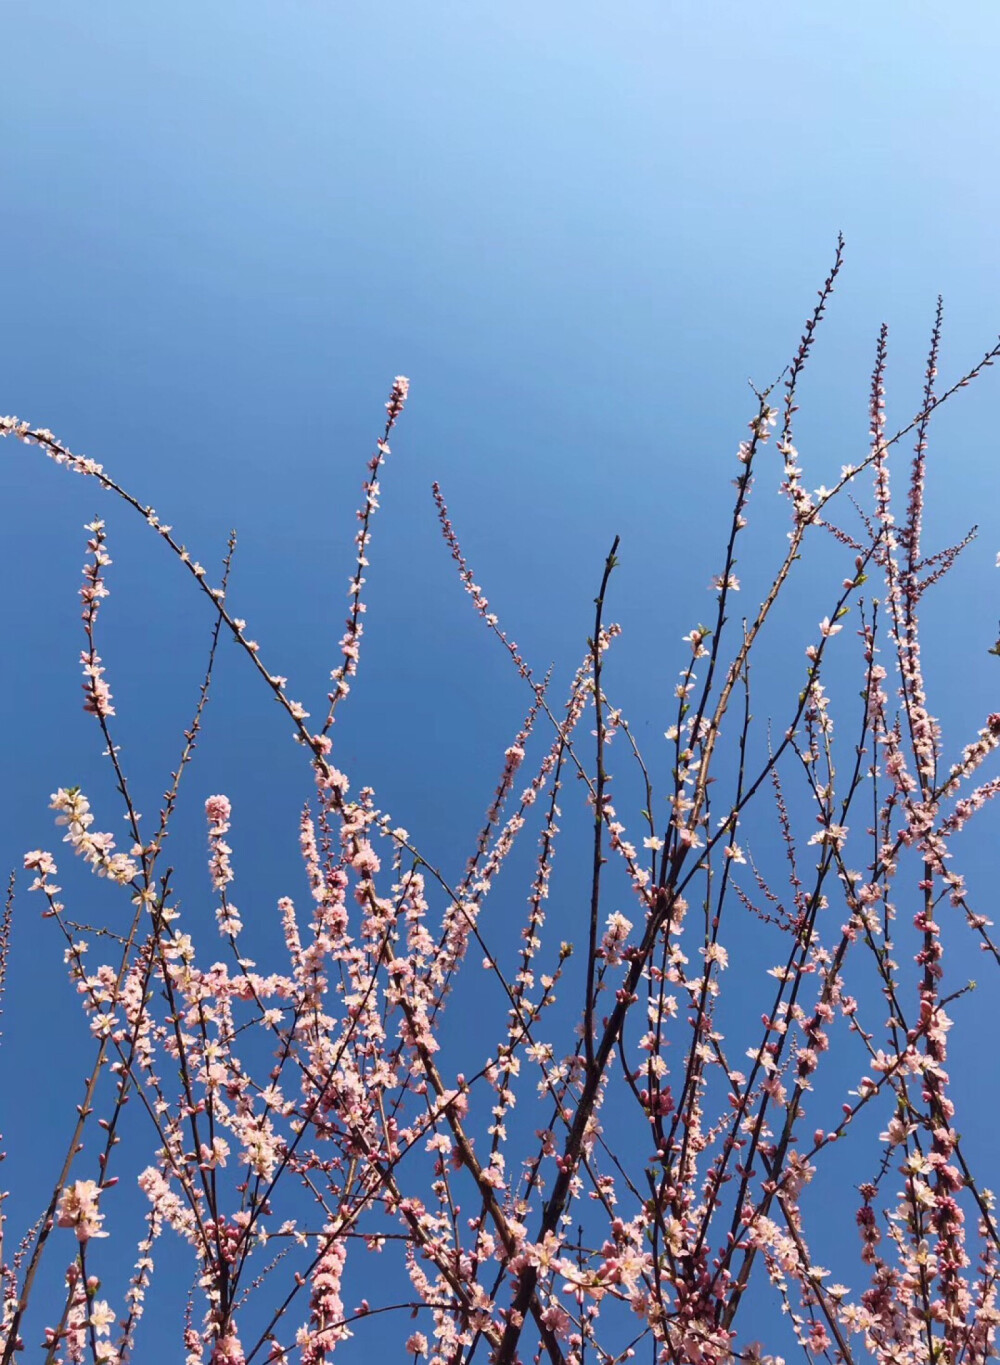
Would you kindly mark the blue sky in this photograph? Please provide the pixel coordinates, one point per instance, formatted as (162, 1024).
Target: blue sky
(578, 229)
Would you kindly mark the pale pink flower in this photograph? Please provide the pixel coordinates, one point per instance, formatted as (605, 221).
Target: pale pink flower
(615, 937)
(365, 860)
(78, 1209)
(102, 1317)
(228, 1350)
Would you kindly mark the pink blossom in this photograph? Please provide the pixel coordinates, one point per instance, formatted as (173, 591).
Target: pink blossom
(78, 1209)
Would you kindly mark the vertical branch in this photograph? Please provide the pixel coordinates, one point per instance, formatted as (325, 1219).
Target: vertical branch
(597, 646)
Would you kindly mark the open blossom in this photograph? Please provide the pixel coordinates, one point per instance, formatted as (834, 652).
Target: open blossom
(716, 953)
(557, 1319)
(834, 835)
(365, 860)
(78, 1209)
(102, 1317)
(615, 936)
(228, 1350)
(41, 862)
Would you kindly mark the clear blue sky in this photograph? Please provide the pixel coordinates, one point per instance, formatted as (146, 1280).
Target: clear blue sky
(578, 228)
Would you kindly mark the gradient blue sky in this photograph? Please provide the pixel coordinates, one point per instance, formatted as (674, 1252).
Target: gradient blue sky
(578, 228)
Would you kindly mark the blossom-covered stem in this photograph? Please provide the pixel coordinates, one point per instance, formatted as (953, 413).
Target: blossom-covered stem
(89, 616)
(61, 455)
(794, 973)
(350, 643)
(684, 1111)
(84, 1110)
(911, 532)
(5, 927)
(461, 920)
(126, 1048)
(184, 1063)
(600, 782)
(513, 758)
(792, 1220)
(556, 1204)
(536, 916)
(96, 689)
(139, 1284)
(192, 732)
(492, 622)
(727, 583)
(55, 1336)
(764, 418)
